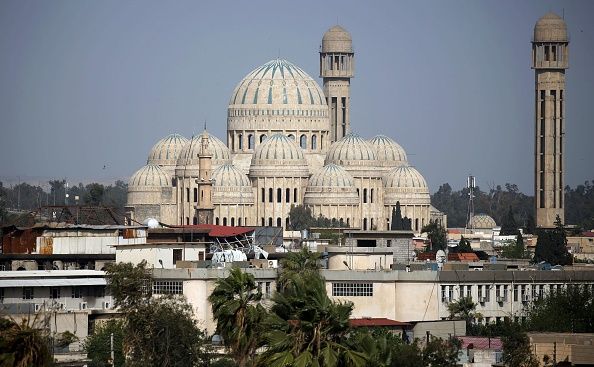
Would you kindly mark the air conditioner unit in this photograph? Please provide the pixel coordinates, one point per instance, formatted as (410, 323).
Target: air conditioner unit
(482, 299)
(82, 306)
(273, 264)
(500, 299)
(525, 297)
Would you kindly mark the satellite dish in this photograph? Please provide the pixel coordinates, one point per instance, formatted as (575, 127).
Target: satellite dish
(440, 256)
(151, 223)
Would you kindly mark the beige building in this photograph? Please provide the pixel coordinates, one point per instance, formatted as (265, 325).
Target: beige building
(550, 56)
(289, 142)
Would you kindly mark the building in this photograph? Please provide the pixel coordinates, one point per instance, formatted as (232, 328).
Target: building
(550, 59)
(289, 142)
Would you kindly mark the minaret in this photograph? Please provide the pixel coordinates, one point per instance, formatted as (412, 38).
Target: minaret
(204, 207)
(336, 69)
(549, 60)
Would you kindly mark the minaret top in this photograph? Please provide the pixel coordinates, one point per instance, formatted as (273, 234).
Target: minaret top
(337, 39)
(550, 28)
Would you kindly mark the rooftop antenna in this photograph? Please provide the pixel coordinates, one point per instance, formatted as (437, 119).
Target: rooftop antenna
(470, 185)
(204, 124)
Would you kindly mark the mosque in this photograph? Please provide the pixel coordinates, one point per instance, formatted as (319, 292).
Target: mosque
(289, 142)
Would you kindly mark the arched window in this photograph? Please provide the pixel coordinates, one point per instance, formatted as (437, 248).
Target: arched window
(348, 222)
(217, 221)
(269, 221)
(364, 195)
(279, 195)
(371, 226)
(263, 221)
(245, 221)
(416, 224)
(250, 141)
(291, 136)
(262, 138)
(240, 140)
(303, 141)
(232, 222)
(263, 194)
(295, 195)
(288, 195)
(279, 222)
(270, 195)
(188, 194)
(195, 195)
(239, 221)
(321, 141)
(225, 221)
(287, 223)
(371, 196)
(195, 221)
(364, 224)
(314, 142)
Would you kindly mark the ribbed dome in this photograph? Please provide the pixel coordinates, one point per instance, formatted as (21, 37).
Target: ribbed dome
(189, 153)
(337, 39)
(228, 175)
(331, 176)
(404, 177)
(278, 82)
(166, 151)
(150, 175)
(550, 28)
(351, 150)
(388, 152)
(278, 147)
(483, 221)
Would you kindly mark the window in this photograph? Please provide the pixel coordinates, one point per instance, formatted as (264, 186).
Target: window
(188, 194)
(288, 195)
(263, 221)
(250, 141)
(263, 194)
(177, 255)
(295, 195)
(279, 195)
(516, 293)
(269, 221)
(270, 195)
(54, 292)
(291, 136)
(364, 224)
(279, 222)
(195, 195)
(447, 293)
(287, 224)
(314, 142)
(303, 141)
(371, 196)
(232, 222)
(195, 220)
(240, 140)
(352, 289)
(239, 221)
(77, 292)
(364, 195)
(168, 287)
(262, 138)
(217, 221)
(28, 293)
(268, 290)
(225, 221)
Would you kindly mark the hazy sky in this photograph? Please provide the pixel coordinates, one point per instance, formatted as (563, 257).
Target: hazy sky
(85, 84)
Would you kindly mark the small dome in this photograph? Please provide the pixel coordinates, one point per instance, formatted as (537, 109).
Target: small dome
(404, 177)
(150, 175)
(228, 175)
(351, 150)
(331, 176)
(550, 28)
(388, 152)
(337, 39)
(166, 151)
(483, 221)
(189, 153)
(278, 147)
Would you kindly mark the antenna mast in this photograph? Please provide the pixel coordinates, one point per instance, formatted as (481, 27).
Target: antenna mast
(470, 185)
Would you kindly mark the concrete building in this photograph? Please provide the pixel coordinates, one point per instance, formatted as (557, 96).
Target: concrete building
(550, 59)
(289, 142)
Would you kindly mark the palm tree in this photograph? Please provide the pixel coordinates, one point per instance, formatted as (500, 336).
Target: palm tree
(300, 263)
(24, 344)
(238, 314)
(308, 329)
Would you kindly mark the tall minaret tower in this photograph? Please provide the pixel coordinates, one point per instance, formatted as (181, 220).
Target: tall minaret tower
(549, 60)
(204, 208)
(336, 69)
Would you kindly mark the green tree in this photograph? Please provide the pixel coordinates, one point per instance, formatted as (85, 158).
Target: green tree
(436, 234)
(296, 264)
(238, 313)
(306, 328)
(57, 192)
(508, 225)
(98, 344)
(516, 348)
(160, 331)
(300, 217)
(463, 246)
(514, 249)
(94, 194)
(465, 309)
(551, 245)
(25, 343)
(3, 211)
(571, 308)
(441, 353)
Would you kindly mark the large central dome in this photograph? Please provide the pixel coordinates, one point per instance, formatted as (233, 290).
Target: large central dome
(277, 97)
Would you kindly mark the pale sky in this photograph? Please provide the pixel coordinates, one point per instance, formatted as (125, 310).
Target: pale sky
(88, 84)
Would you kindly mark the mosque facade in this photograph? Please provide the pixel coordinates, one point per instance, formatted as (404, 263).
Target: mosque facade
(289, 142)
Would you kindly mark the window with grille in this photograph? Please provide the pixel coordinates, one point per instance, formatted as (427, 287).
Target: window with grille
(168, 287)
(352, 289)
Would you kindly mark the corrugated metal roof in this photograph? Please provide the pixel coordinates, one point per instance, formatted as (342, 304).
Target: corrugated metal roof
(478, 342)
(220, 231)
